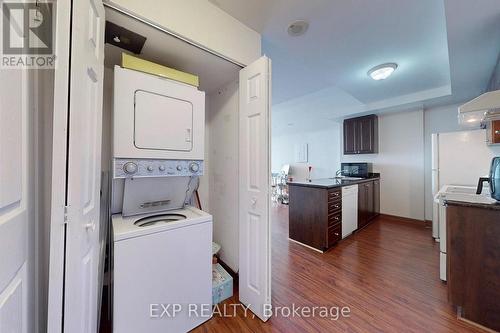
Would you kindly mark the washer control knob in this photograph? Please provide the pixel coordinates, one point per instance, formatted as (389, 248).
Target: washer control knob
(162, 168)
(150, 168)
(194, 167)
(179, 167)
(130, 168)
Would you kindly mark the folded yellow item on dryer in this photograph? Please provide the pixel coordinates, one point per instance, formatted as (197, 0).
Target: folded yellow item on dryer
(138, 64)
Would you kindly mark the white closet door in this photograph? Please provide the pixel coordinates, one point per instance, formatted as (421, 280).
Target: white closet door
(16, 201)
(255, 173)
(84, 167)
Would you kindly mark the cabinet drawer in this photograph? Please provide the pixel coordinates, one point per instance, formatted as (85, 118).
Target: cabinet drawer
(335, 195)
(334, 218)
(334, 207)
(334, 234)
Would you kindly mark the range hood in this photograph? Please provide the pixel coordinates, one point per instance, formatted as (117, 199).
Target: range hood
(481, 109)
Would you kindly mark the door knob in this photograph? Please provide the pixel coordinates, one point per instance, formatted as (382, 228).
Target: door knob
(90, 226)
(254, 201)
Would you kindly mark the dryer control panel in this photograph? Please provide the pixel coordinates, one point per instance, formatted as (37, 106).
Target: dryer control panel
(132, 168)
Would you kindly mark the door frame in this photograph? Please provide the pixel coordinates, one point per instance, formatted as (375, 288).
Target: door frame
(59, 160)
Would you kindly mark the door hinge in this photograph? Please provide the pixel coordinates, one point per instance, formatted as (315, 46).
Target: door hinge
(66, 217)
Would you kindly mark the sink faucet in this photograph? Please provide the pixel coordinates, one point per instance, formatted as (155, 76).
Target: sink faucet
(338, 173)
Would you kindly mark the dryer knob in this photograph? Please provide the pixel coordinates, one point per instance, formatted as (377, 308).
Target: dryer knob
(150, 168)
(162, 168)
(194, 167)
(130, 168)
(179, 167)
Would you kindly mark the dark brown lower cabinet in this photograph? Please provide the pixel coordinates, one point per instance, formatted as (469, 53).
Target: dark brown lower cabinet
(315, 216)
(473, 262)
(376, 197)
(368, 202)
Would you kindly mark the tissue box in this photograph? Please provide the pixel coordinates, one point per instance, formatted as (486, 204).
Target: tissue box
(222, 284)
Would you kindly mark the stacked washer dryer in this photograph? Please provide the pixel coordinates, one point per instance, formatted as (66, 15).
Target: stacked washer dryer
(161, 245)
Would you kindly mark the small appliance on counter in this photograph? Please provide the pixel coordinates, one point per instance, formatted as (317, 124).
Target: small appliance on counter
(493, 180)
(361, 170)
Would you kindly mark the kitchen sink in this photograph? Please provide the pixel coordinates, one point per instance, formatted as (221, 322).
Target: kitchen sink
(347, 178)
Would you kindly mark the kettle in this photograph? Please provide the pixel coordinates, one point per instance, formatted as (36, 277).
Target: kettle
(493, 179)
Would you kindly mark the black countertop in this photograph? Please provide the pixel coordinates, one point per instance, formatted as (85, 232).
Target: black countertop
(493, 206)
(332, 182)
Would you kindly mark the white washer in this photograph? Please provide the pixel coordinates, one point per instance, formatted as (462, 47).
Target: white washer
(161, 260)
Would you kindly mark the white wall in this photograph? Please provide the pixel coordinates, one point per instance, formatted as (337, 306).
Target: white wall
(400, 162)
(201, 22)
(436, 120)
(323, 151)
(221, 180)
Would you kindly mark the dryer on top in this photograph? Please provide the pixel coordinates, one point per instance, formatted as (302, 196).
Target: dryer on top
(156, 118)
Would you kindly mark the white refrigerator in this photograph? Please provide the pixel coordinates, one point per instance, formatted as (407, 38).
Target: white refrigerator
(458, 158)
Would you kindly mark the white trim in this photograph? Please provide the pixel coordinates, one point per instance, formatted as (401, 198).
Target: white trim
(60, 119)
(309, 247)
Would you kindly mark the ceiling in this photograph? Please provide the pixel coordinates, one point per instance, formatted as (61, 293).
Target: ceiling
(214, 72)
(445, 49)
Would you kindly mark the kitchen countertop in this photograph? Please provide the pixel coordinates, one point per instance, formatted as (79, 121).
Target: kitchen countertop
(328, 183)
(493, 206)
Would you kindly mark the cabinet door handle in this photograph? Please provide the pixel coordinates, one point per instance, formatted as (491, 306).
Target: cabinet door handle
(336, 233)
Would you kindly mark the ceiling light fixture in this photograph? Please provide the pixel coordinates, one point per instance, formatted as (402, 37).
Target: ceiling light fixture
(298, 28)
(382, 72)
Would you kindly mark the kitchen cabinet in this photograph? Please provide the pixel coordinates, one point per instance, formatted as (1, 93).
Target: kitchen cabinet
(361, 135)
(376, 197)
(315, 209)
(494, 132)
(315, 216)
(368, 202)
(473, 265)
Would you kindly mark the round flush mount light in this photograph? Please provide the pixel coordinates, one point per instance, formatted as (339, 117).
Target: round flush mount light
(298, 28)
(382, 72)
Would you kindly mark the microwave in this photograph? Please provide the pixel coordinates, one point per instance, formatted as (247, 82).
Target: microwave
(361, 170)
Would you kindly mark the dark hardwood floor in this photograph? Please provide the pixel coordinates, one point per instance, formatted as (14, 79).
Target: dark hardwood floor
(387, 274)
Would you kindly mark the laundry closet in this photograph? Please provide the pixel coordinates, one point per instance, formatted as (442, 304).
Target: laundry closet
(223, 152)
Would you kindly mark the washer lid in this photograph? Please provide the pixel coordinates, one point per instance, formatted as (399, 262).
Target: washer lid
(159, 219)
(154, 195)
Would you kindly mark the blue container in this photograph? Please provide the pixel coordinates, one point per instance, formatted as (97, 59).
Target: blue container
(222, 284)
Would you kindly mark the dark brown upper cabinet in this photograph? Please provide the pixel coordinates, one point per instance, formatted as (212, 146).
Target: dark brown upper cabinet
(361, 135)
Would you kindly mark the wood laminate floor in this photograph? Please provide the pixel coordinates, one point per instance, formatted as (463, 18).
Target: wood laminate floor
(387, 274)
